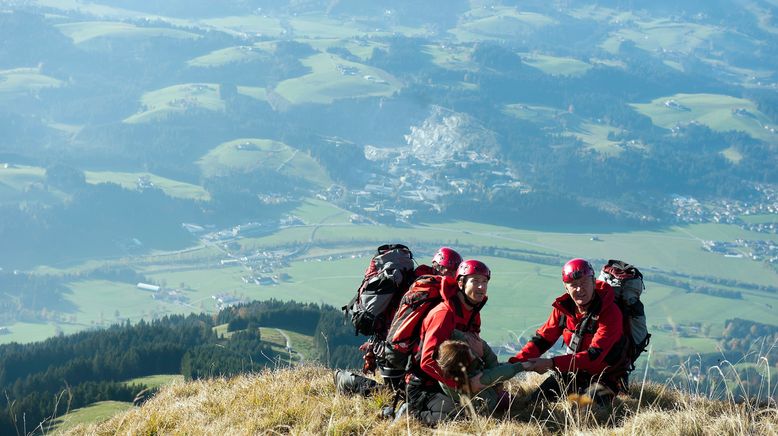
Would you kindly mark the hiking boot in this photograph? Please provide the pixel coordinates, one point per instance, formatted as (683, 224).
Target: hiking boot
(400, 414)
(346, 382)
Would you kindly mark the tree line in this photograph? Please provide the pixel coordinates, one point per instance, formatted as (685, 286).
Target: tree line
(40, 379)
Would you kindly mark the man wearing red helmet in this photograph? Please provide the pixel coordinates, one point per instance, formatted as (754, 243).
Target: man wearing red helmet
(444, 263)
(589, 322)
(463, 297)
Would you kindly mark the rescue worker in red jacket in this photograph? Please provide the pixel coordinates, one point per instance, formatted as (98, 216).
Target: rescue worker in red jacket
(590, 324)
(463, 297)
(444, 263)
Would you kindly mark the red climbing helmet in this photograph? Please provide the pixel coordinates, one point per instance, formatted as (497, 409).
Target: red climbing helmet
(447, 258)
(576, 268)
(470, 267)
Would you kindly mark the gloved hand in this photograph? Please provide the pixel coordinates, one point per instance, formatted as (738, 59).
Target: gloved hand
(369, 366)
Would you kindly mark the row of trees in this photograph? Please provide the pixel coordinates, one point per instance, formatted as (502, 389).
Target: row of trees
(41, 379)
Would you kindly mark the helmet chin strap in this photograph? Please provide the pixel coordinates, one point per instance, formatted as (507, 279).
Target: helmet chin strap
(468, 301)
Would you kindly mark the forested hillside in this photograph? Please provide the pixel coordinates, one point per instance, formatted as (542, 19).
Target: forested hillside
(577, 101)
(46, 379)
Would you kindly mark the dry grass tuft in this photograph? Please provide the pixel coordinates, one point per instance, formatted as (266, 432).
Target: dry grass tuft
(303, 400)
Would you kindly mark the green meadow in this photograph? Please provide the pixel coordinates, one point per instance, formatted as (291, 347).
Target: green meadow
(21, 80)
(224, 56)
(157, 105)
(301, 344)
(172, 188)
(596, 137)
(661, 34)
(536, 114)
(88, 30)
(497, 23)
(27, 182)
(316, 26)
(452, 57)
(713, 110)
(249, 153)
(315, 211)
(520, 292)
(593, 135)
(555, 65)
(598, 13)
(326, 84)
(760, 219)
(732, 155)
(155, 381)
(253, 24)
(362, 49)
(94, 412)
(254, 92)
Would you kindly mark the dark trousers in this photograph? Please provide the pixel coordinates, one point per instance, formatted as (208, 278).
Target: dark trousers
(427, 402)
(600, 390)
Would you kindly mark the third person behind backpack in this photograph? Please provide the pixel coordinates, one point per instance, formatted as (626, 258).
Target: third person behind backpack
(444, 263)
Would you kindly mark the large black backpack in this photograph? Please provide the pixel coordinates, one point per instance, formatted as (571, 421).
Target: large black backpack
(627, 283)
(387, 277)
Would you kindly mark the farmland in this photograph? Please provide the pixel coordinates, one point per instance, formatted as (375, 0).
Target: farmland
(520, 292)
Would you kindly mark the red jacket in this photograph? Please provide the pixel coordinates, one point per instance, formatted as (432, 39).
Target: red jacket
(601, 343)
(425, 270)
(437, 327)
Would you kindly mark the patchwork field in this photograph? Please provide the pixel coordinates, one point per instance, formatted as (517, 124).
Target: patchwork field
(497, 23)
(84, 31)
(94, 412)
(327, 83)
(519, 295)
(249, 153)
(172, 188)
(719, 112)
(592, 134)
(21, 80)
(224, 56)
(256, 25)
(156, 105)
(596, 137)
(661, 34)
(157, 380)
(556, 66)
(27, 183)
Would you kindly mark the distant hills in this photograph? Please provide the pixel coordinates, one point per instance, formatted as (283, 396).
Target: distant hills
(569, 95)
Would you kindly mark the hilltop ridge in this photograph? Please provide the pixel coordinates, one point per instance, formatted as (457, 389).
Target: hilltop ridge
(302, 400)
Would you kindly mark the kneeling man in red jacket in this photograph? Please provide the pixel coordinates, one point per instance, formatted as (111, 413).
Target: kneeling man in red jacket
(590, 324)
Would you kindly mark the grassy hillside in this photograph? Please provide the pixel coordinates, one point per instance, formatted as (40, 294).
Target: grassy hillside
(96, 412)
(246, 154)
(172, 188)
(157, 105)
(326, 83)
(303, 401)
(719, 112)
(20, 80)
(85, 31)
(497, 23)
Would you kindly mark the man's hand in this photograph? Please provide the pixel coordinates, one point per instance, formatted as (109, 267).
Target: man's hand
(539, 365)
(475, 384)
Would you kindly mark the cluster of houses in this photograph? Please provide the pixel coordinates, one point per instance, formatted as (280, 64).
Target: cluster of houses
(691, 210)
(758, 250)
(414, 181)
(226, 300)
(159, 293)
